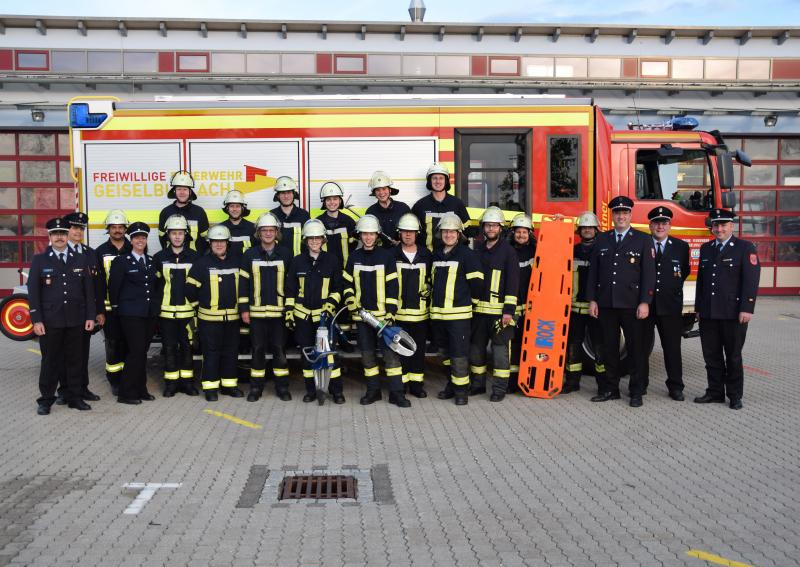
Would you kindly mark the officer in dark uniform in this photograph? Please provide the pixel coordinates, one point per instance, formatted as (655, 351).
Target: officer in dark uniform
(182, 190)
(622, 277)
(386, 210)
(291, 216)
(62, 309)
(77, 227)
(133, 292)
(672, 269)
(431, 208)
(727, 285)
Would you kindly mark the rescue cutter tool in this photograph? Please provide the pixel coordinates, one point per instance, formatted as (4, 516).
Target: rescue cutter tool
(395, 338)
(320, 356)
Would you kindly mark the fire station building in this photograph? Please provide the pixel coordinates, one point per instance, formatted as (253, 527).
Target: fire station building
(744, 82)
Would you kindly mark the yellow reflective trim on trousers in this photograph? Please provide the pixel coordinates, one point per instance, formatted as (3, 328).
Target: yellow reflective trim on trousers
(280, 371)
(229, 382)
(187, 373)
(514, 368)
(599, 368)
(413, 377)
(115, 367)
(394, 371)
(210, 384)
(478, 369)
(257, 373)
(336, 373)
(371, 371)
(174, 375)
(459, 380)
(307, 373)
(577, 367)
(446, 362)
(501, 373)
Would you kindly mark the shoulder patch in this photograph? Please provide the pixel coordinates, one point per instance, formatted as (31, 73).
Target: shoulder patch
(754, 259)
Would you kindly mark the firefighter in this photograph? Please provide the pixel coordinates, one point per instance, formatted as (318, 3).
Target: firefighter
(241, 229)
(413, 262)
(77, 227)
(385, 209)
(291, 216)
(62, 309)
(213, 285)
(338, 226)
(370, 283)
(312, 288)
(523, 241)
(580, 323)
(182, 190)
(727, 286)
(262, 285)
(117, 244)
(666, 312)
(456, 284)
(432, 207)
(493, 320)
(133, 292)
(620, 287)
(177, 313)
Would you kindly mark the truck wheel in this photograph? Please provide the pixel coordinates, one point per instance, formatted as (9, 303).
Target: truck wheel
(589, 356)
(15, 317)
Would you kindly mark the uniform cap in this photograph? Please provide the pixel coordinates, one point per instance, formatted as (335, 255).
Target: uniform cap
(721, 215)
(138, 228)
(77, 219)
(620, 203)
(57, 225)
(660, 213)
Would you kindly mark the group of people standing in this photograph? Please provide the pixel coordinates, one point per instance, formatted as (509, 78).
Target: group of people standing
(262, 284)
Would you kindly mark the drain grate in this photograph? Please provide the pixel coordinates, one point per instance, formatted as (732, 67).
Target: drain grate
(318, 487)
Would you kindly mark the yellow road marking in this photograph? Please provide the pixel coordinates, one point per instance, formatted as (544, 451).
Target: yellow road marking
(234, 419)
(35, 351)
(711, 558)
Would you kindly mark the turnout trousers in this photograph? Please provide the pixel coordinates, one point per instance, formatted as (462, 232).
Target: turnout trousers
(268, 333)
(368, 345)
(176, 335)
(581, 325)
(452, 340)
(220, 345)
(484, 332)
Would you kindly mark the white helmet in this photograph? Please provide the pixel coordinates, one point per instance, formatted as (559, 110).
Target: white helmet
(368, 223)
(218, 232)
(176, 222)
(382, 179)
(285, 183)
(588, 218)
(408, 221)
(521, 221)
(451, 221)
(437, 167)
(268, 220)
(493, 214)
(235, 196)
(116, 216)
(313, 227)
(330, 189)
(181, 178)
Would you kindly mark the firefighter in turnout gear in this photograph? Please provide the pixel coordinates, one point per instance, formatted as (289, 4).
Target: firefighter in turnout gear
(456, 285)
(117, 244)
(580, 323)
(523, 241)
(213, 285)
(241, 229)
(182, 190)
(177, 312)
(620, 287)
(370, 283)
(386, 210)
(62, 308)
(338, 226)
(413, 261)
(262, 284)
(493, 320)
(312, 288)
(431, 208)
(133, 292)
(291, 216)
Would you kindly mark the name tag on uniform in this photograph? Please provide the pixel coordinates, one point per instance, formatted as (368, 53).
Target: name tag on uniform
(77, 270)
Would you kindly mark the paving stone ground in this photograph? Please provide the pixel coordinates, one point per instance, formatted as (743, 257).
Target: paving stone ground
(525, 482)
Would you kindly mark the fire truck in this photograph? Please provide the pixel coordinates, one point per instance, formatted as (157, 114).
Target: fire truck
(539, 154)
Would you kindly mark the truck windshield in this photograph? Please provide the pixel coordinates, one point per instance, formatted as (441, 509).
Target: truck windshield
(683, 179)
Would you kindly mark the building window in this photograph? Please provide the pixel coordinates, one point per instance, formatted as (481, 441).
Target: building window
(654, 68)
(386, 65)
(492, 169)
(605, 67)
(227, 63)
(105, 61)
(538, 66)
(37, 144)
(33, 60)
(760, 175)
(453, 65)
(721, 69)
(140, 62)
(504, 66)
(761, 148)
(571, 67)
(192, 62)
(687, 68)
(68, 61)
(350, 64)
(563, 173)
(420, 65)
(263, 63)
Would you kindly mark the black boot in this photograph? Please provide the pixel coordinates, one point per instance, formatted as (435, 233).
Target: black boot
(187, 387)
(211, 395)
(398, 399)
(254, 395)
(233, 392)
(461, 395)
(416, 389)
(170, 388)
(447, 393)
(370, 397)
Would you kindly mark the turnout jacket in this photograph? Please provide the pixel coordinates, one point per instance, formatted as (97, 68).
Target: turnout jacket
(311, 283)
(429, 211)
(370, 282)
(106, 253)
(388, 217)
(195, 215)
(621, 276)
(291, 228)
(98, 278)
(339, 240)
(213, 285)
(500, 266)
(242, 236)
(525, 256)
(132, 287)
(413, 281)
(727, 280)
(172, 271)
(456, 283)
(262, 281)
(672, 269)
(581, 258)
(60, 295)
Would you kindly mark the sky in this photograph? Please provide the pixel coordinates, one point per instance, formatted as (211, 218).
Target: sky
(738, 13)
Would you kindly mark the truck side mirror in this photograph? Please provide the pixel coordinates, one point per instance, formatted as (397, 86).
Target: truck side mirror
(743, 158)
(725, 169)
(729, 199)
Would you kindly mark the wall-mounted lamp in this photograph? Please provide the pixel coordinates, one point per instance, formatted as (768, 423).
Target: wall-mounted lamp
(37, 115)
(770, 120)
